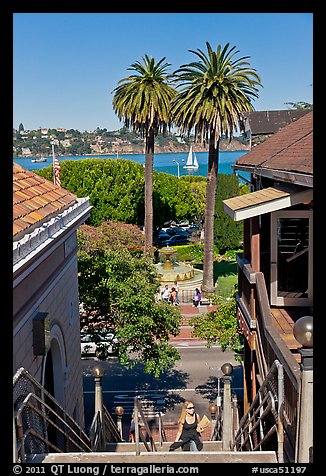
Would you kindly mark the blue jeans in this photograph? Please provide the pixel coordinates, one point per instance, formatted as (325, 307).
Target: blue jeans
(193, 446)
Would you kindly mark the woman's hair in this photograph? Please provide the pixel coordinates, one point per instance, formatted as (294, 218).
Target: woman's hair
(184, 412)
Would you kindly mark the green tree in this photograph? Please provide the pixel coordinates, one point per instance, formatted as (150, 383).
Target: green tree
(117, 287)
(220, 326)
(215, 91)
(300, 105)
(142, 101)
(227, 233)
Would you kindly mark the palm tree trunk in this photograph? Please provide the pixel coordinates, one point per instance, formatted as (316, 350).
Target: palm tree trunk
(149, 159)
(208, 267)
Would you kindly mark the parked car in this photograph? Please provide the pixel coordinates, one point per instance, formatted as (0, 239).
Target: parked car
(160, 238)
(99, 343)
(175, 230)
(177, 240)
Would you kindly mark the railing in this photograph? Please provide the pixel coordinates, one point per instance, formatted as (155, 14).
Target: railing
(138, 434)
(264, 418)
(161, 431)
(102, 432)
(253, 302)
(217, 430)
(186, 297)
(42, 425)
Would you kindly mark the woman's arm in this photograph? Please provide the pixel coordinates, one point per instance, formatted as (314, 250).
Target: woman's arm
(199, 428)
(179, 432)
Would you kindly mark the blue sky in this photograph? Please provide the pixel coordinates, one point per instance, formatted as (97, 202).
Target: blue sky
(66, 65)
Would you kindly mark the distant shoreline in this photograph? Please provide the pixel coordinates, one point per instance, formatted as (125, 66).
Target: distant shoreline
(122, 153)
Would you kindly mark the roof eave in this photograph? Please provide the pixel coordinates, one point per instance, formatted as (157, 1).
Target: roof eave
(288, 176)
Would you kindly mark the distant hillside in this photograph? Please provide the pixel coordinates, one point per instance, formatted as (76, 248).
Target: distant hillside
(101, 141)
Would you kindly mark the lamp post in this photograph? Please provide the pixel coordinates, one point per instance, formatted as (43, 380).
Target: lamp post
(178, 165)
(213, 410)
(98, 373)
(119, 411)
(303, 332)
(227, 437)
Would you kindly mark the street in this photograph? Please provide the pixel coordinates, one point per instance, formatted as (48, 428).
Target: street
(194, 377)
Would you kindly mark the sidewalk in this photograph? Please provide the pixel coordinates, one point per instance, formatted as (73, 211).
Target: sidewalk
(188, 311)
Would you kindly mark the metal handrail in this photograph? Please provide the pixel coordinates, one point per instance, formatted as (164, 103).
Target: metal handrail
(56, 422)
(96, 433)
(138, 435)
(41, 422)
(254, 429)
(111, 432)
(161, 430)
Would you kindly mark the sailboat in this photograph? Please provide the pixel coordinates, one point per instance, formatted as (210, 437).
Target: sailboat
(192, 162)
(41, 159)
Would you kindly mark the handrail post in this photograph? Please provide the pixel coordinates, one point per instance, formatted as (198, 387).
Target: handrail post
(136, 421)
(98, 373)
(160, 428)
(14, 441)
(227, 415)
(305, 409)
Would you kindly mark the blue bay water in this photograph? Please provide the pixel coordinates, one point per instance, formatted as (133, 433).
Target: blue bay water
(162, 162)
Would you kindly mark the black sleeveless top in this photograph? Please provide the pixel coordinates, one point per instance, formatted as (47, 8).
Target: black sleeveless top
(189, 430)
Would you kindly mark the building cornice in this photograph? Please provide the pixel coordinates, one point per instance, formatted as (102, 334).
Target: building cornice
(33, 243)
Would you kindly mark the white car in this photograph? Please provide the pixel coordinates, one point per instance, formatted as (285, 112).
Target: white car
(99, 343)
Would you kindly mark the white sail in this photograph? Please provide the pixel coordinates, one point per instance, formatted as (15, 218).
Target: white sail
(189, 160)
(192, 162)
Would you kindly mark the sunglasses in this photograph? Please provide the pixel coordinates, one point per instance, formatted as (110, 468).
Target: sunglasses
(190, 408)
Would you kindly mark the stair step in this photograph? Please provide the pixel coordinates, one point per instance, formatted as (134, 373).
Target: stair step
(127, 447)
(181, 457)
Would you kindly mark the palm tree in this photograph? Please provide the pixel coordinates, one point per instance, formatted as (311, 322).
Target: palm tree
(215, 92)
(143, 101)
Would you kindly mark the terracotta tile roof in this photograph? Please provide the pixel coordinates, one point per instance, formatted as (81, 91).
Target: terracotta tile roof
(35, 199)
(289, 149)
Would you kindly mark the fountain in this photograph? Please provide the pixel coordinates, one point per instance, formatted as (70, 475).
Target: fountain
(185, 274)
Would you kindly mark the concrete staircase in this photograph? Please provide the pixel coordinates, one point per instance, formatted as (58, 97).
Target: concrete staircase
(126, 453)
(181, 457)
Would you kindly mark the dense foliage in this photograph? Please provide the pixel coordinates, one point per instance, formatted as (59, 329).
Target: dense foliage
(117, 285)
(227, 233)
(116, 191)
(220, 326)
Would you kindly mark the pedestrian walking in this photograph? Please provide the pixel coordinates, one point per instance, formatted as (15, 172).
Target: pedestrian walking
(177, 293)
(165, 294)
(188, 435)
(173, 296)
(197, 298)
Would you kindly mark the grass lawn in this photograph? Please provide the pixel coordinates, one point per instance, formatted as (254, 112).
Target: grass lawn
(225, 271)
(225, 276)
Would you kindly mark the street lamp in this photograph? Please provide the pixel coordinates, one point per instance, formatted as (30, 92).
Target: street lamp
(98, 373)
(178, 165)
(119, 411)
(176, 162)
